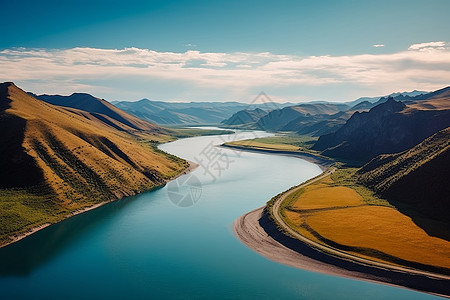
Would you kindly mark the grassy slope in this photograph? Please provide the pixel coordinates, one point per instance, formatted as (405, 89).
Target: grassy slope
(75, 161)
(417, 177)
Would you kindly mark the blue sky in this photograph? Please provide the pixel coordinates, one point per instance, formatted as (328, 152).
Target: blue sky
(225, 50)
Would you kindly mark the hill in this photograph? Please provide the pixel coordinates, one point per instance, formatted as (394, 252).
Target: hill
(389, 127)
(55, 161)
(100, 109)
(278, 119)
(245, 117)
(418, 176)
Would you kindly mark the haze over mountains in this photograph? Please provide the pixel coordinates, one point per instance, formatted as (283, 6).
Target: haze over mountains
(313, 118)
(192, 113)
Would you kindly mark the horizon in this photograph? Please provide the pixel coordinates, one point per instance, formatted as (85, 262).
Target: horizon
(189, 51)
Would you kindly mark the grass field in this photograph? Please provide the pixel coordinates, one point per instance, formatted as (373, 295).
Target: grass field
(283, 143)
(339, 213)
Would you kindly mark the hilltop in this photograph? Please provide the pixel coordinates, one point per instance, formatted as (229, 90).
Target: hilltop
(102, 110)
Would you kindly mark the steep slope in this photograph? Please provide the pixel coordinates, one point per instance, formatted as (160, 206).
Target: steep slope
(418, 176)
(100, 109)
(389, 127)
(55, 161)
(245, 117)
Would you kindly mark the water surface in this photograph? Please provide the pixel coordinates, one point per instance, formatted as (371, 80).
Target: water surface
(145, 246)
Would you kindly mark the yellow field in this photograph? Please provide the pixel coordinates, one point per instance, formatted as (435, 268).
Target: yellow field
(253, 144)
(339, 217)
(383, 229)
(325, 197)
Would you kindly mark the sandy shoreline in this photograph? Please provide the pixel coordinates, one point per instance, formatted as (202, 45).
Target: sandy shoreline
(258, 232)
(15, 238)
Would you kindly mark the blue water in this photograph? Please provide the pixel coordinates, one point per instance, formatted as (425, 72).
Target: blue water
(146, 247)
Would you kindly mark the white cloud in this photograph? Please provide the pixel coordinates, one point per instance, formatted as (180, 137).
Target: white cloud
(169, 75)
(428, 46)
(378, 45)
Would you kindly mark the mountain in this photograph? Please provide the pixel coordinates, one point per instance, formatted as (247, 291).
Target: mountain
(363, 106)
(319, 124)
(245, 117)
(396, 96)
(55, 161)
(389, 127)
(278, 119)
(100, 109)
(441, 93)
(191, 113)
(418, 176)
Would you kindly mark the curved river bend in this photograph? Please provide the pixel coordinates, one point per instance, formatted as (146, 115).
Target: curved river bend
(145, 246)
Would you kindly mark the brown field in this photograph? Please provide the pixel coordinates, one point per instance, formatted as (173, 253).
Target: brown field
(339, 217)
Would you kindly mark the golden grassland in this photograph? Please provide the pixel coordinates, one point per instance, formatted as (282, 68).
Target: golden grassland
(339, 213)
(81, 161)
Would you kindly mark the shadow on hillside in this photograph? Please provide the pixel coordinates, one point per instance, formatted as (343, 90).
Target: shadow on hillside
(18, 169)
(24, 256)
(434, 228)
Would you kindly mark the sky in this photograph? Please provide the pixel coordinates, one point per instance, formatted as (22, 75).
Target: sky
(293, 51)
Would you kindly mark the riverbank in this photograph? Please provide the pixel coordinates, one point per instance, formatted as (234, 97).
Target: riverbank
(258, 232)
(322, 162)
(15, 238)
(276, 241)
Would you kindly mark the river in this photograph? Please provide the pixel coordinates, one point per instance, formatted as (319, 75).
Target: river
(177, 242)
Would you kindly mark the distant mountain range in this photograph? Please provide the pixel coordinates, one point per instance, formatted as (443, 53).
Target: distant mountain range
(192, 113)
(393, 95)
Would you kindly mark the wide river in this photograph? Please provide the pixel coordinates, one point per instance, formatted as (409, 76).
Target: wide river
(177, 241)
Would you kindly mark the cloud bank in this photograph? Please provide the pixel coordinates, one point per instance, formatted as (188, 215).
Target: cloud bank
(134, 73)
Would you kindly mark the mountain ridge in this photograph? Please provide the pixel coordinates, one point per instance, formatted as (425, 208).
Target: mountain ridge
(389, 127)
